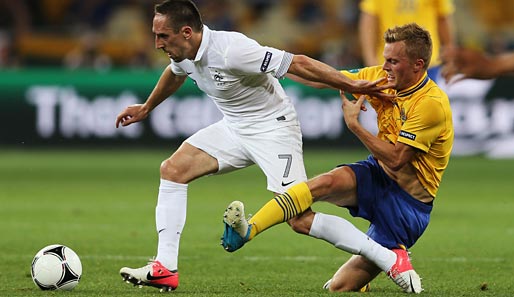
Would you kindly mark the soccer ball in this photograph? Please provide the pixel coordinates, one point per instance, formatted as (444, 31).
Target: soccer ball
(56, 267)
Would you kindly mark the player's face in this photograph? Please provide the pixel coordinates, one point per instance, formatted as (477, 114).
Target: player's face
(401, 71)
(176, 45)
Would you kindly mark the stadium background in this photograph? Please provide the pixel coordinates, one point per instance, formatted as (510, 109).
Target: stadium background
(68, 176)
(67, 67)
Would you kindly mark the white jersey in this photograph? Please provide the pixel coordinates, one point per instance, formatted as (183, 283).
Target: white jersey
(241, 77)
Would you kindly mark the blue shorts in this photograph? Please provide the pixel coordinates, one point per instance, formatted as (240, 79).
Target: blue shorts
(396, 218)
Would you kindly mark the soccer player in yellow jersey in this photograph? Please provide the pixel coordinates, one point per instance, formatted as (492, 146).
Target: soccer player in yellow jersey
(393, 188)
(378, 15)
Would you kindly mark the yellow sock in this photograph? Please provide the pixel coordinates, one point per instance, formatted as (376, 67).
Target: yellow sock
(280, 209)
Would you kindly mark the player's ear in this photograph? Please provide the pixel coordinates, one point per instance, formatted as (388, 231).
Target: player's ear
(418, 65)
(186, 32)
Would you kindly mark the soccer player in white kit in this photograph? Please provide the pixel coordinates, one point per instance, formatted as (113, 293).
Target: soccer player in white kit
(259, 124)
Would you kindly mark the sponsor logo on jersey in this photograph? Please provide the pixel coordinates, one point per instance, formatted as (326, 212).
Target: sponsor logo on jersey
(407, 135)
(265, 62)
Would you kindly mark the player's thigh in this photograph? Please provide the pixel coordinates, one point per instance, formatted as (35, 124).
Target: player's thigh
(219, 142)
(279, 154)
(188, 163)
(338, 186)
(354, 274)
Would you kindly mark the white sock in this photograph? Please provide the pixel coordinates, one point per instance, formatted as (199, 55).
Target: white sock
(345, 236)
(170, 218)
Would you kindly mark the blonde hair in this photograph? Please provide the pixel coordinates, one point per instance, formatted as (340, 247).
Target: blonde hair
(418, 43)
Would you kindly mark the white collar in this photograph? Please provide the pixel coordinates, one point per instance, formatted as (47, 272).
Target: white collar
(206, 36)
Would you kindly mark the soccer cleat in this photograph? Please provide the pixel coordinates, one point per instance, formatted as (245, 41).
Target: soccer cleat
(237, 230)
(403, 274)
(366, 288)
(326, 286)
(153, 274)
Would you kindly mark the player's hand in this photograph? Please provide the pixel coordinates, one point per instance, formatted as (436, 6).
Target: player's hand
(131, 114)
(450, 68)
(461, 63)
(372, 88)
(352, 109)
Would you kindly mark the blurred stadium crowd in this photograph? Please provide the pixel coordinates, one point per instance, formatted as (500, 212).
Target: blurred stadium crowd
(103, 34)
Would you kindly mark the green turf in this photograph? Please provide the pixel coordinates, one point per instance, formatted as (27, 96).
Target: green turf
(101, 204)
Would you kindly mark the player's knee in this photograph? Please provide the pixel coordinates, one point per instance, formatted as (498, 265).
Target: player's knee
(338, 288)
(170, 171)
(323, 183)
(342, 286)
(298, 225)
(302, 223)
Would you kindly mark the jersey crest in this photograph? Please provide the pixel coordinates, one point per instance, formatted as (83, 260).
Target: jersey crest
(218, 76)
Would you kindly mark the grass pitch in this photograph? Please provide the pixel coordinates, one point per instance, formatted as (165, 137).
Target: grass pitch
(101, 204)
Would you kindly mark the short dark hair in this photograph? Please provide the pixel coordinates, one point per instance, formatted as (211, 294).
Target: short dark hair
(418, 42)
(180, 13)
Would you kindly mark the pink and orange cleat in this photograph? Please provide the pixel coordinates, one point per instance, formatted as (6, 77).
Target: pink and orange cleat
(154, 274)
(402, 273)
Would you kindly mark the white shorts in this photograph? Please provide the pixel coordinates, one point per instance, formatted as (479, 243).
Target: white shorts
(278, 152)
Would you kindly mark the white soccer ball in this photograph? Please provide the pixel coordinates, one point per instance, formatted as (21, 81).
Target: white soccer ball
(56, 267)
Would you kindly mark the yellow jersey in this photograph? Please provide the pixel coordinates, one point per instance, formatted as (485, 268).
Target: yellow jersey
(421, 117)
(393, 13)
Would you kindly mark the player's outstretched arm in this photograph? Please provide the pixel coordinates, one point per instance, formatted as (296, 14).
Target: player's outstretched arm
(318, 72)
(309, 83)
(167, 85)
(470, 63)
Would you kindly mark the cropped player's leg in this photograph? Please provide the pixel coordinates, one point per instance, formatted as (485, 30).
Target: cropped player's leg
(378, 206)
(186, 164)
(327, 187)
(279, 155)
(344, 235)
